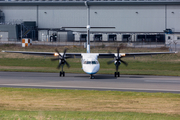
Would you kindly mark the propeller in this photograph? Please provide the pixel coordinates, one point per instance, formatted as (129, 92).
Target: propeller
(117, 60)
(62, 58)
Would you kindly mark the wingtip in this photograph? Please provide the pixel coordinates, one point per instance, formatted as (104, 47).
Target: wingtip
(2, 51)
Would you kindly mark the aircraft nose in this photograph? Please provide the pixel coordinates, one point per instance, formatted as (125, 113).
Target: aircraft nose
(93, 69)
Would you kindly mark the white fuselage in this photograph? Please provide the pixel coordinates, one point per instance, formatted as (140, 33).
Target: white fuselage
(90, 64)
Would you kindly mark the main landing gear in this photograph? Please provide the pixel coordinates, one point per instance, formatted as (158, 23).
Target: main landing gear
(117, 61)
(61, 73)
(62, 61)
(117, 74)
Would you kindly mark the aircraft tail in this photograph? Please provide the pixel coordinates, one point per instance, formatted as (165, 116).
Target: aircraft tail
(88, 39)
(88, 48)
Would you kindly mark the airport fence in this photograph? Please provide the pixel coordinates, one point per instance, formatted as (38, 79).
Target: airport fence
(172, 47)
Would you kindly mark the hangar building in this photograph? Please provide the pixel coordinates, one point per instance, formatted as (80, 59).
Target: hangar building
(46, 20)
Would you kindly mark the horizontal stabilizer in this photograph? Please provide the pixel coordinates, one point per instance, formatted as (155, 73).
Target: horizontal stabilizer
(91, 27)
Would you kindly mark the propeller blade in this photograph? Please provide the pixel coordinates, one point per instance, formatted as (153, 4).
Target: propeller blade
(59, 65)
(62, 59)
(67, 64)
(117, 66)
(58, 52)
(118, 49)
(64, 52)
(109, 62)
(125, 63)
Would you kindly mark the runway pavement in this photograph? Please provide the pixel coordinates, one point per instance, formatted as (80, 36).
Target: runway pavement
(140, 83)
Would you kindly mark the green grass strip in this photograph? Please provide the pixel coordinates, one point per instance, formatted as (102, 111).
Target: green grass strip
(135, 67)
(82, 115)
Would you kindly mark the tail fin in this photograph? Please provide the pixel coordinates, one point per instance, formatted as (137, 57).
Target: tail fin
(88, 48)
(88, 39)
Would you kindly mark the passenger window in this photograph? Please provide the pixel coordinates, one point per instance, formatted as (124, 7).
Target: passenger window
(85, 62)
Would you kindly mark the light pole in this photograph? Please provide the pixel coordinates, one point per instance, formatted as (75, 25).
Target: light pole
(1, 37)
(175, 42)
(42, 37)
(170, 46)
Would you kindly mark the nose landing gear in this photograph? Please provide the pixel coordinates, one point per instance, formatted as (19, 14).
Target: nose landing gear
(91, 76)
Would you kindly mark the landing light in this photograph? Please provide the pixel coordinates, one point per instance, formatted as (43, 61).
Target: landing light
(56, 54)
(123, 54)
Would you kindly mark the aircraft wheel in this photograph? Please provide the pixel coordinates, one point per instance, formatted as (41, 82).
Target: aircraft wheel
(91, 76)
(63, 74)
(118, 74)
(60, 73)
(114, 74)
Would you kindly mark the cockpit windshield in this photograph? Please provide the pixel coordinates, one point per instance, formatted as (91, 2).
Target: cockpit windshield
(90, 62)
(93, 62)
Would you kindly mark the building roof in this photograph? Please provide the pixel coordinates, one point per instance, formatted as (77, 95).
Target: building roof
(90, 2)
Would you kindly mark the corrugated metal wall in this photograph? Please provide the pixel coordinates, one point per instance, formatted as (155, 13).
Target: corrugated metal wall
(130, 18)
(16, 13)
(3, 36)
(173, 17)
(61, 16)
(126, 18)
(12, 31)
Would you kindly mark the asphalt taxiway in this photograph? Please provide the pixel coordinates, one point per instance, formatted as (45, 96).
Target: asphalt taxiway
(140, 83)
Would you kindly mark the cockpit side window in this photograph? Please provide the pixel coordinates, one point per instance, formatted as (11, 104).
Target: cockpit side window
(90, 62)
(93, 62)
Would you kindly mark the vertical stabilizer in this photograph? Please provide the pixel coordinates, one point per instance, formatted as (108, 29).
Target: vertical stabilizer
(88, 38)
(88, 26)
(88, 48)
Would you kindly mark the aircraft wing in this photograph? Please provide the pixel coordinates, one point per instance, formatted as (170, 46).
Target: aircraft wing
(111, 55)
(49, 54)
(100, 55)
(145, 53)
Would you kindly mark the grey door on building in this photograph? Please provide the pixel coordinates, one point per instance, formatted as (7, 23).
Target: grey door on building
(3, 36)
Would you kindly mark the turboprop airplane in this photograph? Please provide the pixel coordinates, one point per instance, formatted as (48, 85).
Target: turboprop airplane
(89, 61)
